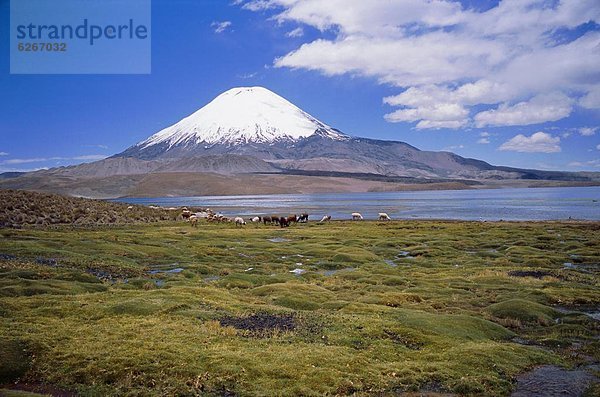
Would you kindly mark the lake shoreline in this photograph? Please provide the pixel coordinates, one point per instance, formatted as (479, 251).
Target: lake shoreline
(513, 204)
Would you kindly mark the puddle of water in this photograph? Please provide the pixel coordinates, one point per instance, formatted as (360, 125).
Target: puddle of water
(103, 275)
(522, 341)
(46, 261)
(527, 342)
(172, 271)
(405, 255)
(390, 262)
(159, 283)
(333, 272)
(249, 269)
(278, 240)
(298, 272)
(212, 278)
(550, 381)
(593, 313)
(584, 268)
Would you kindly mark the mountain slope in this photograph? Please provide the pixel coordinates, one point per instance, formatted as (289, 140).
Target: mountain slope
(223, 164)
(106, 167)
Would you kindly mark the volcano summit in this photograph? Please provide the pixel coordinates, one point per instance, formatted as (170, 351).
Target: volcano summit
(239, 116)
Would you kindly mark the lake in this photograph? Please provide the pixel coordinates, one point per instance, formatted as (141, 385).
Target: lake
(487, 204)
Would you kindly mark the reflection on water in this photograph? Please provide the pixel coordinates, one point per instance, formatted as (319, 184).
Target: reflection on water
(485, 204)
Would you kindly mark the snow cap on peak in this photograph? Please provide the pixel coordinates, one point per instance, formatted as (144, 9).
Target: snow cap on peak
(241, 90)
(242, 115)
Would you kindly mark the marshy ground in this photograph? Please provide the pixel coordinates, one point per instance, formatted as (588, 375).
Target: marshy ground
(341, 308)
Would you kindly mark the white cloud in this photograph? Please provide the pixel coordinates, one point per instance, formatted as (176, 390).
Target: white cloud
(542, 108)
(375, 17)
(85, 157)
(592, 99)
(540, 142)
(298, 32)
(247, 75)
(90, 157)
(12, 169)
(220, 27)
(440, 54)
(588, 131)
(432, 124)
(443, 115)
(453, 147)
(598, 147)
(24, 161)
(480, 92)
(590, 163)
(256, 5)
(485, 138)
(4, 154)
(419, 60)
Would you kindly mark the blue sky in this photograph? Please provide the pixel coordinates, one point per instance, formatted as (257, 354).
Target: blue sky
(513, 83)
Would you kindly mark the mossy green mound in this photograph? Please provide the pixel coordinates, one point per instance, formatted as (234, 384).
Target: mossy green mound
(14, 359)
(523, 311)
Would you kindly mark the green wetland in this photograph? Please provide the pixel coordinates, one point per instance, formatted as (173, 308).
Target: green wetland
(343, 308)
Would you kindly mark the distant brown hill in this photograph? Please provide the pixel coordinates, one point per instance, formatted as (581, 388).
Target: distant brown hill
(22, 208)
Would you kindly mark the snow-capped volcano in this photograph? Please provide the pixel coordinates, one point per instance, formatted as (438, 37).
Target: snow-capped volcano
(242, 115)
(252, 129)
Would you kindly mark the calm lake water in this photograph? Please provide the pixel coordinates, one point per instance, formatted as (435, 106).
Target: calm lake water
(488, 204)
